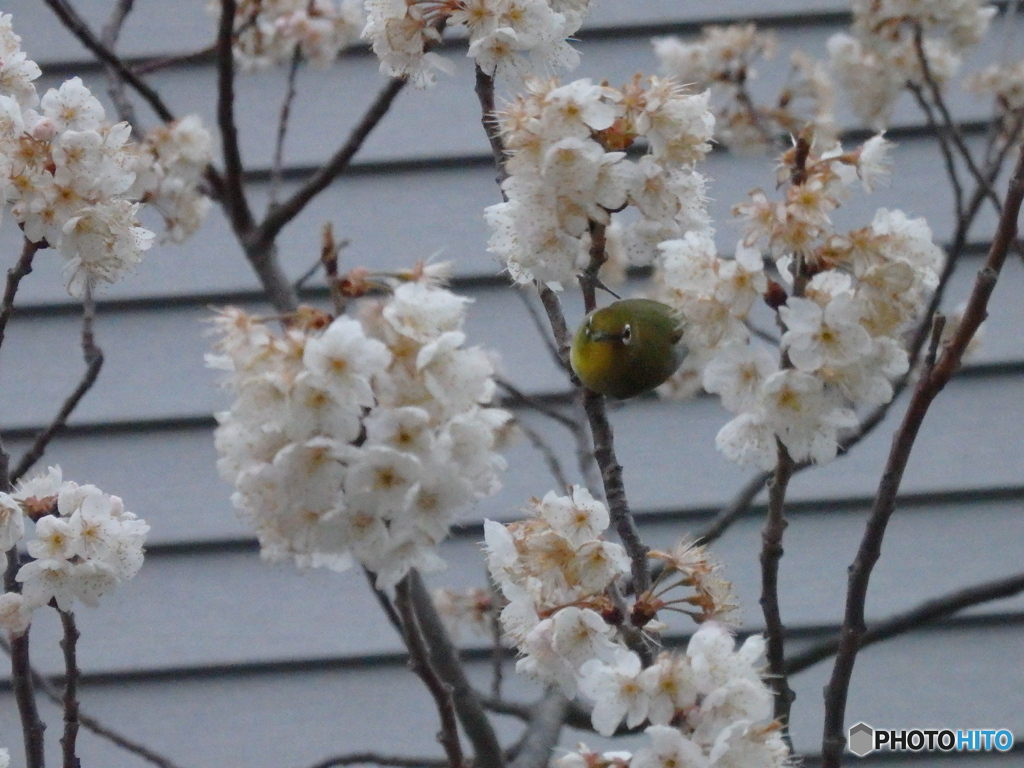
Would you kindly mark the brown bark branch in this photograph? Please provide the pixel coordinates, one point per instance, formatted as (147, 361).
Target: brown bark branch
(419, 660)
(290, 208)
(901, 623)
(92, 724)
(69, 645)
(77, 27)
(32, 726)
(282, 126)
(109, 37)
(444, 658)
(771, 553)
(942, 134)
(14, 277)
(488, 117)
(734, 510)
(955, 134)
(932, 381)
(372, 758)
(93, 357)
(234, 200)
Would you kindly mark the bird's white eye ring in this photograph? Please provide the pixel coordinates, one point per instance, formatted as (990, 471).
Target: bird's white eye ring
(627, 334)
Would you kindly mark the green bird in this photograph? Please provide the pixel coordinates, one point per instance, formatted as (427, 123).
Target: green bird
(627, 348)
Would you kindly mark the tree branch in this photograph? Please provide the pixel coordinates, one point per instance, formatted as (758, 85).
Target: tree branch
(372, 758)
(77, 26)
(234, 200)
(550, 457)
(771, 553)
(282, 126)
(900, 623)
(32, 726)
(290, 208)
(542, 731)
(69, 644)
(489, 119)
(954, 130)
(932, 381)
(109, 37)
(444, 658)
(419, 660)
(92, 724)
(93, 357)
(735, 509)
(942, 134)
(21, 670)
(14, 277)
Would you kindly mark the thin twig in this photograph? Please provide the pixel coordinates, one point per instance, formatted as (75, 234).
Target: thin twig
(290, 208)
(932, 381)
(372, 758)
(542, 329)
(740, 504)
(93, 357)
(942, 133)
(954, 129)
(234, 200)
(532, 402)
(109, 38)
(734, 510)
(282, 126)
(444, 658)
(553, 308)
(92, 724)
(419, 660)
(306, 276)
(14, 277)
(497, 649)
(77, 26)
(771, 553)
(32, 726)
(163, 62)
(550, 457)
(900, 623)
(69, 644)
(489, 119)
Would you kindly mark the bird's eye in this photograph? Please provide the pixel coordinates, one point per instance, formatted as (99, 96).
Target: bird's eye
(627, 334)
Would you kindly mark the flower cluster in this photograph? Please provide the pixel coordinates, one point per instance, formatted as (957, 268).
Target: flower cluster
(358, 438)
(567, 617)
(507, 38)
(270, 32)
(1005, 84)
(568, 171)
(73, 180)
(469, 609)
(892, 43)
(722, 61)
(849, 299)
(85, 544)
(171, 162)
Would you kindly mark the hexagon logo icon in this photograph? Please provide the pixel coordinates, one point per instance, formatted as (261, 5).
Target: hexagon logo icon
(861, 739)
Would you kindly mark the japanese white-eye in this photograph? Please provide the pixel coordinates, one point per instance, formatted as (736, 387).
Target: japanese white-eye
(627, 348)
